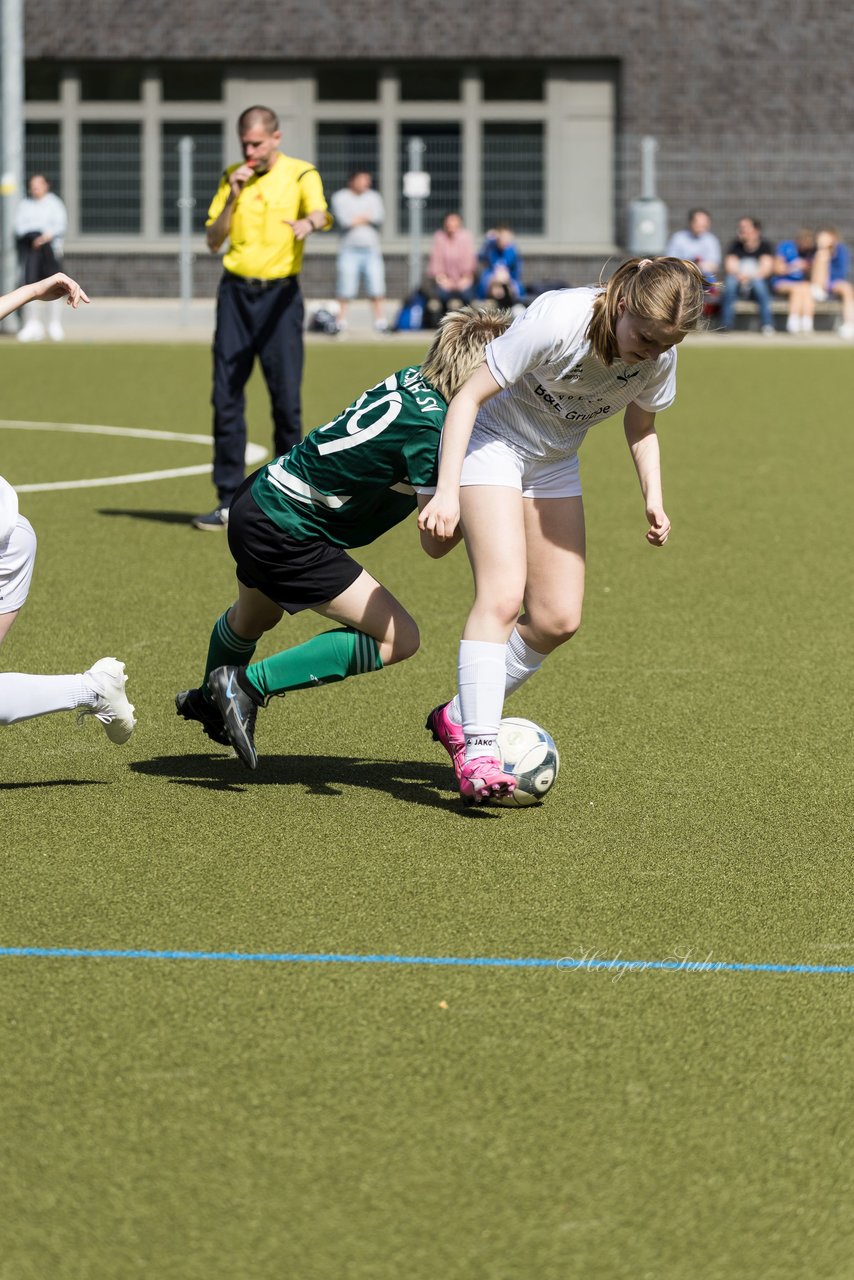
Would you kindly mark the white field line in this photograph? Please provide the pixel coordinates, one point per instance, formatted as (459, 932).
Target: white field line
(254, 453)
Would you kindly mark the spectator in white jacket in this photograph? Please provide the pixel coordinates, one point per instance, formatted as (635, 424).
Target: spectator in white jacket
(40, 226)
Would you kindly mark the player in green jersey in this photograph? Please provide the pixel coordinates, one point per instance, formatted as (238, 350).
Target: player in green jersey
(291, 524)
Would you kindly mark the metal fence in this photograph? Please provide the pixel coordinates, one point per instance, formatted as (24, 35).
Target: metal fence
(111, 177)
(207, 170)
(341, 148)
(443, 161)
(43, 153)
(512, 177)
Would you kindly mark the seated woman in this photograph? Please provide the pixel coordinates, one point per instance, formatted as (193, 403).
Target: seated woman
(452, 267)
(792, 267)
(830, 271)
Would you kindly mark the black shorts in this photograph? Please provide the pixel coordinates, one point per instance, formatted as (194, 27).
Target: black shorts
(296, 574)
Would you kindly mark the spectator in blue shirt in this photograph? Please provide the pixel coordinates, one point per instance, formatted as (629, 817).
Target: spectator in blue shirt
(501, 278)
(830, 271)
(792, 279)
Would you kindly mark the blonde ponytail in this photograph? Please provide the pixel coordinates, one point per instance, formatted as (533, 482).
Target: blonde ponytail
(665, 291)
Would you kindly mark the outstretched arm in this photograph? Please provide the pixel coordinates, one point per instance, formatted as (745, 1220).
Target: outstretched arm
(639, 425)
(441, 515)
(48, 290)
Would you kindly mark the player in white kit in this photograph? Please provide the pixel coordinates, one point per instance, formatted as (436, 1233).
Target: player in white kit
(509, 469)
(100, 691)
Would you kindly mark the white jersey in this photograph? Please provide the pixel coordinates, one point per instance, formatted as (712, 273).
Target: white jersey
(555, 389)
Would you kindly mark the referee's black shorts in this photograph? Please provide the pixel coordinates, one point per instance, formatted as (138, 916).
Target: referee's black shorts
(295, 574)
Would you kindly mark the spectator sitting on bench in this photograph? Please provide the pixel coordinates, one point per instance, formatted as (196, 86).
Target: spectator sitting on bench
(748, 264)
(697, 243)
(501, 278)
(792, 279)
(830, 270)
(452, 268)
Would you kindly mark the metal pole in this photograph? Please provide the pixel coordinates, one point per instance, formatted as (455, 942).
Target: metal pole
(11, 140)
(415, 152)
(186, 204)
(649, 146)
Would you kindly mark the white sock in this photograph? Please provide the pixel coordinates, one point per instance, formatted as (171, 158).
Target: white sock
(807, 324)
(520, 663)
(793, 324)
(23, 697)
(481, 678)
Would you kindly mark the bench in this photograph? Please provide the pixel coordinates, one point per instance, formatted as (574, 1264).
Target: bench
(827, 314)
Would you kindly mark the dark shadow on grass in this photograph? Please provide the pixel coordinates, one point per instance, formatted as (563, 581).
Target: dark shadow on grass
(160, 517)
(55, 782)
(414, 781)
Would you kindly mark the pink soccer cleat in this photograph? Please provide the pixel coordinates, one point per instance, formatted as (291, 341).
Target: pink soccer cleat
(449, 734)
(483, 779)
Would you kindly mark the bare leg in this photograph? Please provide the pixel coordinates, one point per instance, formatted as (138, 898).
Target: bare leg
(6, 620)
(253, 613)
(843, 290)
(367, 606)
(379, 310)
(498, 561)
(554, 591)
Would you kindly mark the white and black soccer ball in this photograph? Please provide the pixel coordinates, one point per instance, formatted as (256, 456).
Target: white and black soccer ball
(529, 753)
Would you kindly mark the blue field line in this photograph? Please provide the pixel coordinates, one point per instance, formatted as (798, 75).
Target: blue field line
(566, 964)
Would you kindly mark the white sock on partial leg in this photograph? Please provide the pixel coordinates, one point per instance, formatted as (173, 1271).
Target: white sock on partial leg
(520, 663)
(23, 697)
(481, 678)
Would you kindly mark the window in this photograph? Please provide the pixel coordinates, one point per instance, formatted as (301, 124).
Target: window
(429, 82)
(207, 170)
(41, 81)
(110, 178)
(111, 82)
(442, 160)
(345, 83)
(341, 148)
(513, 82)
(42, 153)
(512, 176)
(191, 82)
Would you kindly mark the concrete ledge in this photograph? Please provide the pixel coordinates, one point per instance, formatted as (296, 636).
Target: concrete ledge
(827, 315)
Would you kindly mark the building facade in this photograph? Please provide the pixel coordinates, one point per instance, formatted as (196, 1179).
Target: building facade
(531, 116)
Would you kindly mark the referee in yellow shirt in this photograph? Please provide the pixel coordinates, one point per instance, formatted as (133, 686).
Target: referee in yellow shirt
(265, 207)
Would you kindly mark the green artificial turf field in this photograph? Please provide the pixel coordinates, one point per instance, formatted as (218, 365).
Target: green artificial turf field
(215, 1119)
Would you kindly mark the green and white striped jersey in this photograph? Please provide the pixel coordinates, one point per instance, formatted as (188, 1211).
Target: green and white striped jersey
(354, 478)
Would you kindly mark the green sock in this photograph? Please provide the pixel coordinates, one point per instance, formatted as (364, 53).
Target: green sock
(331, 656)
(226, 649)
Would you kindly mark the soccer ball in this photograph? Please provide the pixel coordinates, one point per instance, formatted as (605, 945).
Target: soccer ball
(529, 753)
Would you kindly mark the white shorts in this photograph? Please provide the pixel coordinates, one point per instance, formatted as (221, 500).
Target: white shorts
(17, 558)
(495, 462)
